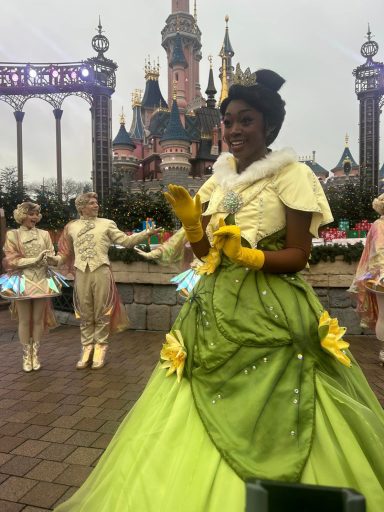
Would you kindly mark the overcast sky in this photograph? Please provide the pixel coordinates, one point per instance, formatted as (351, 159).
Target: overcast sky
(314, 44)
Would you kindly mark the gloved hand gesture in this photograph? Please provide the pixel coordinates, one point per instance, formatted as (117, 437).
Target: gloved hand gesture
(53, 260)
(42, 257)
(151, 255)
(187, 209)
(228, 238)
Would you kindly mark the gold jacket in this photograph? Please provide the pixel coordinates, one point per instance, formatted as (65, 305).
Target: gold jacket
(90, 240)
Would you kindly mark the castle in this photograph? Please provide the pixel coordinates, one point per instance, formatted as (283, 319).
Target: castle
(177, 140)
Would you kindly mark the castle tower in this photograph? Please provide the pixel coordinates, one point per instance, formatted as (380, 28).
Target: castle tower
(178, 64)
(176, 152)
(346, 166)
(124, 160)
(181, 24)
(369, 88)
(226, 70)
(211, 89)
(152, 99)
(137, 132)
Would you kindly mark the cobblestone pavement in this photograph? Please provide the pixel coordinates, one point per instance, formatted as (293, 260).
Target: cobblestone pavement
(55, 423)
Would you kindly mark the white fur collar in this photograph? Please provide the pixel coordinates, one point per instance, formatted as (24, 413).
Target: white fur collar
(225, 168)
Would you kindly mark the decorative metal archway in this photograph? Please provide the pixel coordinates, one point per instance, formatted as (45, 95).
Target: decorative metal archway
(93, 79)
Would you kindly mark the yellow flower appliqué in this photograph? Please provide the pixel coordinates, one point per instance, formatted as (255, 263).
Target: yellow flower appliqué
(174, 354)
(331, 341)
(211, 261)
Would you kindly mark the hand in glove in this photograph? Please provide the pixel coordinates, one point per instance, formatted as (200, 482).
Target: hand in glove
(188, 210)
(29, 262)
(229, 239)
(153, 230)
(151, 255)
(54, 261)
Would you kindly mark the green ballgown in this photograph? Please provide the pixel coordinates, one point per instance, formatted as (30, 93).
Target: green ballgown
(257, 398)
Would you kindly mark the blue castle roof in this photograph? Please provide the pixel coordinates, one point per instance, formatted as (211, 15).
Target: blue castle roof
(152, 95)
(347, 155)
(178, 56)
(175, 130)
(123, 139)
(137, 126)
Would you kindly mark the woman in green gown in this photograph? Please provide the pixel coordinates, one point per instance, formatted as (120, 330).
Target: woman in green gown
(255, 379)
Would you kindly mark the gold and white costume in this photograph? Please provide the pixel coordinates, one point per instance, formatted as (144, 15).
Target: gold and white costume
(30, 279)
(29, 282)
(96, 300)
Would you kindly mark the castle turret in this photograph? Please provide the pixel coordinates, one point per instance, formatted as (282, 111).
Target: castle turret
(211, 89)
(178, 64)
(181, 25)
(346, 166)
(124, 159)
(152, 99)
(175, 144)
(226, 70)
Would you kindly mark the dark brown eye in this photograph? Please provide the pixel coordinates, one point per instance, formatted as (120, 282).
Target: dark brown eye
(246, 121)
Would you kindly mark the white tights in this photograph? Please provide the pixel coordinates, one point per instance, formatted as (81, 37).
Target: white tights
(31, 319)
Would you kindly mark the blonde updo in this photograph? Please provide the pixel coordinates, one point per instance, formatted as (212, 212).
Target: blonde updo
(83, 199)
(22, 210)
(378, 204)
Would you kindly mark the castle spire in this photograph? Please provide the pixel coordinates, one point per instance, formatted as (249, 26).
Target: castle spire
(211, 89)
(226, 70)
(224, 81)
(178, 57)
(122, 116)
(226, 49)
(175, 129)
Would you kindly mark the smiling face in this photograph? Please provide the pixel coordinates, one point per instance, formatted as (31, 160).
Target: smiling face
(244, 133)
(31, 219)
(91, 209)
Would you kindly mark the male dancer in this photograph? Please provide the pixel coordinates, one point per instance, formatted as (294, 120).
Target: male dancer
(85, 243)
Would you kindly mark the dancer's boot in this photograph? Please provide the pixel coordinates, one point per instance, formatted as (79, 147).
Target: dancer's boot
(99, 355)
(27, 357)
(35, 355)
(86, 357)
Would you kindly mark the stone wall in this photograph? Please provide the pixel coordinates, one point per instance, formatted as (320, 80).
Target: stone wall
(331, 282)
(152, 302)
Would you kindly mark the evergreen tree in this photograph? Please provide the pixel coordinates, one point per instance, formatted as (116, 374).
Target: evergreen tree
(11, 194)
(55, 213)
(352, 201)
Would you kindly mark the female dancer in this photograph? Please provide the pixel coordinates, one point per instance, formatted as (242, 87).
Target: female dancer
(29, 282)
(368, 283)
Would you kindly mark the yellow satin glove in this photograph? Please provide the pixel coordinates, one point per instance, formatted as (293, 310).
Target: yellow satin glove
(188, 210)
(228, 238)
